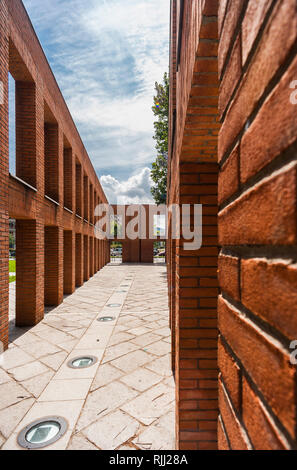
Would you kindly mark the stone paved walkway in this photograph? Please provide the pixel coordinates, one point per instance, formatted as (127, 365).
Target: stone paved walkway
(126, 400)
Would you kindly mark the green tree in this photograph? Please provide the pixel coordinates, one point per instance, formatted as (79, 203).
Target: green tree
(159, 167)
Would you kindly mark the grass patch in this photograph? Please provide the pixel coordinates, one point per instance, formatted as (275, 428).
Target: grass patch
(12, 266)
(12, 279)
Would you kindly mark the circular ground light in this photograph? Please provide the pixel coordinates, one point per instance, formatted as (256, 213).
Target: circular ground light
(42, 433)
(114, 305)
(105, 319)
(82, 362)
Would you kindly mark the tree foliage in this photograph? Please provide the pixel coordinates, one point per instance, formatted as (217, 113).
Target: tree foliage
(159, 167)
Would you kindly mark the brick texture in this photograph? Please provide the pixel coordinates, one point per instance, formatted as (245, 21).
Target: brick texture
(249, 126)
(193, 179)
(257, 225)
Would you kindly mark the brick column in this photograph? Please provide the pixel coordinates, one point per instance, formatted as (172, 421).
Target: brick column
(4, 169)
(53, 259)
(26, 149)
(100, 254)
(86, 255)
(196, 322)
(51, 155)
(79, 261)
(86, 198)
(172, 293)
(69, 178)
(69, 262)
(30, 272)
(96, 255)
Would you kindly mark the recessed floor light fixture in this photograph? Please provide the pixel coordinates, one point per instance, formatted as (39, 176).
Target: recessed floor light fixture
(82, 362)
(42, 432)
(105, 319)
(114, 305)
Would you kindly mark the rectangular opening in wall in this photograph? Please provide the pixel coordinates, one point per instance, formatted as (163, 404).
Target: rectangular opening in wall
(22, 119)
(78, 188)
(51, 154)
(78, 260)
(116, 252)
(12, 129)
(92, 259)
(51, 266)
(159, 252)
(69, 262)
(159, 225)
(68, 175)
(116, 226)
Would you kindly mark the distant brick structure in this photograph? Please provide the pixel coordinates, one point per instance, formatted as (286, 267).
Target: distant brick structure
(251, 46)
(55, 190)
(141, 248)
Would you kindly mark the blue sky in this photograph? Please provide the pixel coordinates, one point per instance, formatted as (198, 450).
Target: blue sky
(106, 56)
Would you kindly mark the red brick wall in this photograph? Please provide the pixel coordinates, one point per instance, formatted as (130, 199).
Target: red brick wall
(257, 224)
(193, 170)
(4, 168)
(138, 250)
(257, 230)
(49, 150)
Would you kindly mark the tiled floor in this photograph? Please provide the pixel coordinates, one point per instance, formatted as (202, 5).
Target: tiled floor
(124, 401)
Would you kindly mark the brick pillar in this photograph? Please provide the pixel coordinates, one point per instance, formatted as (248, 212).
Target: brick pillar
(91, 250)
(51, 156)
(100, 254)
(69, 262)
(79, 262)
(86, 198)
(196, 322)
(257, 225)
(69, 178)
(53, 259)
(78, 190)
(96, 255)
(86, 258)
(107, 252)
(30, 272)
(4, 169)
(26, 162)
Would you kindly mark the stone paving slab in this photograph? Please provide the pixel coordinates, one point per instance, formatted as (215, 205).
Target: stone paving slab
(126, 400)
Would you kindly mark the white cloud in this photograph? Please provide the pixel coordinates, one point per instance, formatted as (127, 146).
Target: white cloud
(135, 189)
